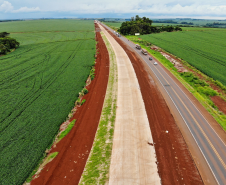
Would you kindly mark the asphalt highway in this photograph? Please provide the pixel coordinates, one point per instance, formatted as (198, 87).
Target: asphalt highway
(213, 149)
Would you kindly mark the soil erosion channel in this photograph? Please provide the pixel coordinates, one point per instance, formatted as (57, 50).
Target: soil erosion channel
(74, 149)
(175, 164)
(133, 158)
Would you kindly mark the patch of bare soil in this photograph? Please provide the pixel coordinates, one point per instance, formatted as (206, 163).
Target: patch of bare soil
(175, 164)
(220, 103)
(74, 148)
(177, 64)
(175, 61)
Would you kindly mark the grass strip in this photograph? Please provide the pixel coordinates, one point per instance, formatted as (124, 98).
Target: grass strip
(67, 130)
(98, 164)
(191, 87)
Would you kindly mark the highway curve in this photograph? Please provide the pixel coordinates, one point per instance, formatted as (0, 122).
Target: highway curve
(206, 146)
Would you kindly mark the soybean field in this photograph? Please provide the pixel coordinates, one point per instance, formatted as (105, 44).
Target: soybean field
(114, 24)
(39, 83)
(203, 48)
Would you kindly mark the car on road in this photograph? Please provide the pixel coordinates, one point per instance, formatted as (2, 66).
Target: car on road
(155, 63)
(150, 58)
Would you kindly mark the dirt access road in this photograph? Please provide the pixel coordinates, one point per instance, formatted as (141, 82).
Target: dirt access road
(133, 155)
(175, 163)
(74, 149)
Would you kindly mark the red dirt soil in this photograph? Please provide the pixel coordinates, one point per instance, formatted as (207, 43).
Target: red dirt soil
(220, 103)
(74, 149)
(175, 164)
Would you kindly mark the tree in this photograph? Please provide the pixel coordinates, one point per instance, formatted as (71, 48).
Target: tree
(7, 43)
(143, 26)
(137, 18)
(3, 34)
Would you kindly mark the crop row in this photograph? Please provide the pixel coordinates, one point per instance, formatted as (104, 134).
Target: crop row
(204, 50)
(39, 84)
(47, 26)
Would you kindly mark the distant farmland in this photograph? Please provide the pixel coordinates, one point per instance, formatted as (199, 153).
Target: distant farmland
(204, 48)
(114, 24)
(39, 83)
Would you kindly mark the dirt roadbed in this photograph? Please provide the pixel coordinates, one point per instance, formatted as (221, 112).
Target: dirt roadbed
(133, 157)
(175, 164)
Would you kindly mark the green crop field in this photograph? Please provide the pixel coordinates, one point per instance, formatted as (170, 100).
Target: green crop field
(113, 24)
(203, 48)
(39, 83)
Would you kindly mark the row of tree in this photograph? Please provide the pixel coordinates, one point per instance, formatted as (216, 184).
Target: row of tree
(7, 43)
(144, 26)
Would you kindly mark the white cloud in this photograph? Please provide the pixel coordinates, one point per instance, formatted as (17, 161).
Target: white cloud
(168, 7)
(8, 7)
(173, 8)
(26, 9)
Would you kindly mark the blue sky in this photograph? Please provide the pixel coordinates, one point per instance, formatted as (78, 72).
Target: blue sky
(14, 9)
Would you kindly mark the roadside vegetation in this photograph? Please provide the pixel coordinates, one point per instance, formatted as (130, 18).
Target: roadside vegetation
(98, 164)
(67, 130)
(144, 26)
(44, 161)
(40, 82)
(198, 87)
(204, 23)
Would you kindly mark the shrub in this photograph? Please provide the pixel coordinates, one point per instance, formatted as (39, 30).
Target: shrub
(85, 91)
(92, 73)
(83, 101)
(207, 91)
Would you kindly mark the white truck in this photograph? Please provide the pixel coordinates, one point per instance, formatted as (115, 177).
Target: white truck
(138, 46)
(144, 51)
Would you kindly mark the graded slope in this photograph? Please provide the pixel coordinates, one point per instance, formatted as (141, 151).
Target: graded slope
(39, 83)
(133, 157)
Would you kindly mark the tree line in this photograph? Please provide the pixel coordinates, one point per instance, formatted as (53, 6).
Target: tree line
(7, 43)
(144, 26)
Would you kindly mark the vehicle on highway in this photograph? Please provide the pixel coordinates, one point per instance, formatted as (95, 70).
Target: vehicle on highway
(155, 63)
(138, 46)
(117, 34)
(144, 51)
(150, 58)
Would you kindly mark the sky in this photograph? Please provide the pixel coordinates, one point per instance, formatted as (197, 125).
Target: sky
(25, 9)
